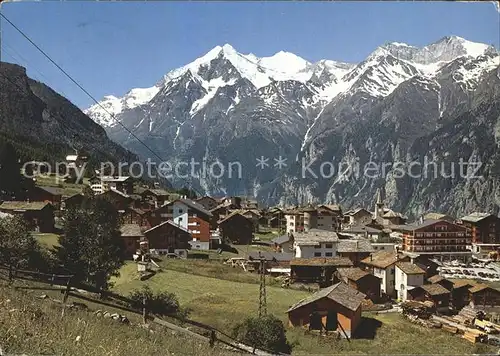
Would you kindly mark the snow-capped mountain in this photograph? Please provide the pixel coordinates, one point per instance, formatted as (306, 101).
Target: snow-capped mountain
(229, 106)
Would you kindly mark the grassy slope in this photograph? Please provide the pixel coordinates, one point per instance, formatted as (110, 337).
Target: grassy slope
(223, 303)
(34, 326)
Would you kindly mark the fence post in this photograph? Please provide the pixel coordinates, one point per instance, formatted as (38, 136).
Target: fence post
(144, 312)
(65, 296)
(213, 338)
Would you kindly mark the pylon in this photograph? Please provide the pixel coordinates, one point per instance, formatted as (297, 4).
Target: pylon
(262, 289)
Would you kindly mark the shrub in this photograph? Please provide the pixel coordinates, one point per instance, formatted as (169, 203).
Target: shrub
(266, 333)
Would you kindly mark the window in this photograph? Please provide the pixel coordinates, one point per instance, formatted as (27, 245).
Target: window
(329, 246)
(180, 211)
(291, 223)
(328, 254)
(194, 215)
(317, 246)
(317, 254)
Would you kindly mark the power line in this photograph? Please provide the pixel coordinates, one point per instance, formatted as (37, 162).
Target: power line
(85, 91)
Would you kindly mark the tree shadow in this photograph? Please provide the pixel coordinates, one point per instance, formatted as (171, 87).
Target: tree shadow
(367, 328)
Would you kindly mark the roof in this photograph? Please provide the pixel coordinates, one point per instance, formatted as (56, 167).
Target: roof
(435, 289)
(315, 237)
(358, 210)
(409, 268)
(459, 283)
(137, 210)
(340, 293)
(435, 279)
(362, 229)
(195, 206)
(270, 256)
(157, 192)
(392, 214)
(354, 274)
(281, 239)
(23, 205)
(52, 190)
(417, 226)
(381, 259)
(230, 216)
(479, 287)
(113, 190)
(332, 207)
(5, 215)
(170, 222)
(436, 216)
(131, 230)
(322, 261)
(475, 217)
(355, 245)
(113, 179)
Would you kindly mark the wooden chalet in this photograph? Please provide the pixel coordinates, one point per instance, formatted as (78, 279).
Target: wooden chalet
(435, 293)
(484, 295)
(135, 216)
(38, 215)
(236, 229)
(118, 199)
(207, 202)
(155, 198)
(168, 237)
(73, 201)
(131, 235)
(335, 308)
(360, 280)
(51, 195)
(355, 249)
(316, 269)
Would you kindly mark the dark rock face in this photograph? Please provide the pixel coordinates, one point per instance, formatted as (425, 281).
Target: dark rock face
(45, 125)
(399, 106)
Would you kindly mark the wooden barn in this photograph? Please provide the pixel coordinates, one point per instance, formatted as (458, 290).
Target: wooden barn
(360, 280)
(335, 308)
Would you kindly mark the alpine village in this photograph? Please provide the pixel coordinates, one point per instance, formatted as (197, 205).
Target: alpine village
(332, 278)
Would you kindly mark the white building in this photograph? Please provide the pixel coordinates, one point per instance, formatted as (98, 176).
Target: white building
(315, 243)
(408, 276)
(294, 221)
(382, 265)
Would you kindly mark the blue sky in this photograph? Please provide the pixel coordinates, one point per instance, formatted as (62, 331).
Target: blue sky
(111, 47)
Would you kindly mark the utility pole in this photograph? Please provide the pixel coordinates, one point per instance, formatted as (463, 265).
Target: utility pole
(262, 289)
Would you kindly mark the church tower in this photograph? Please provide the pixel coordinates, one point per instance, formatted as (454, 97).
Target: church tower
(379, 206)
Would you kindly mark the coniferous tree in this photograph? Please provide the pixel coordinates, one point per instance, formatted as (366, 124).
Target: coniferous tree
(91, 247)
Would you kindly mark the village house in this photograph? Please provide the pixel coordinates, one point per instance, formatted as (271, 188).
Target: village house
(135, 216)
(236, 228)
(253, 216)
(438, 216)
(276, 219)
(118, 199)
(408, 276)
(187, 214)
(360, 280)
(316, 269)
(74, 164)
(484, 295)
(102, 184)
(384, 246)
(437, 279)
(460, 293)
(336, 308)
(294, 221)
(74, 201)
(438, 238)
(435, 293)
(131, 235)
(315, 243)
(207, 202)
(221, 211)
(155, 198)
(364, 231)
(357, 217)
(168, 237)
(484, 230)
(354, 249)
(51, 195)
(249, 204)
(382, 265)
(273, 261)
(283, 243)
(38, 215)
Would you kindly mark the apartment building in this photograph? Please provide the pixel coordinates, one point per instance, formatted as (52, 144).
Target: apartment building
(436, 237)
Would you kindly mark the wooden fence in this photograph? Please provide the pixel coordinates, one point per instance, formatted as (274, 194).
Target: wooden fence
(117, 301)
